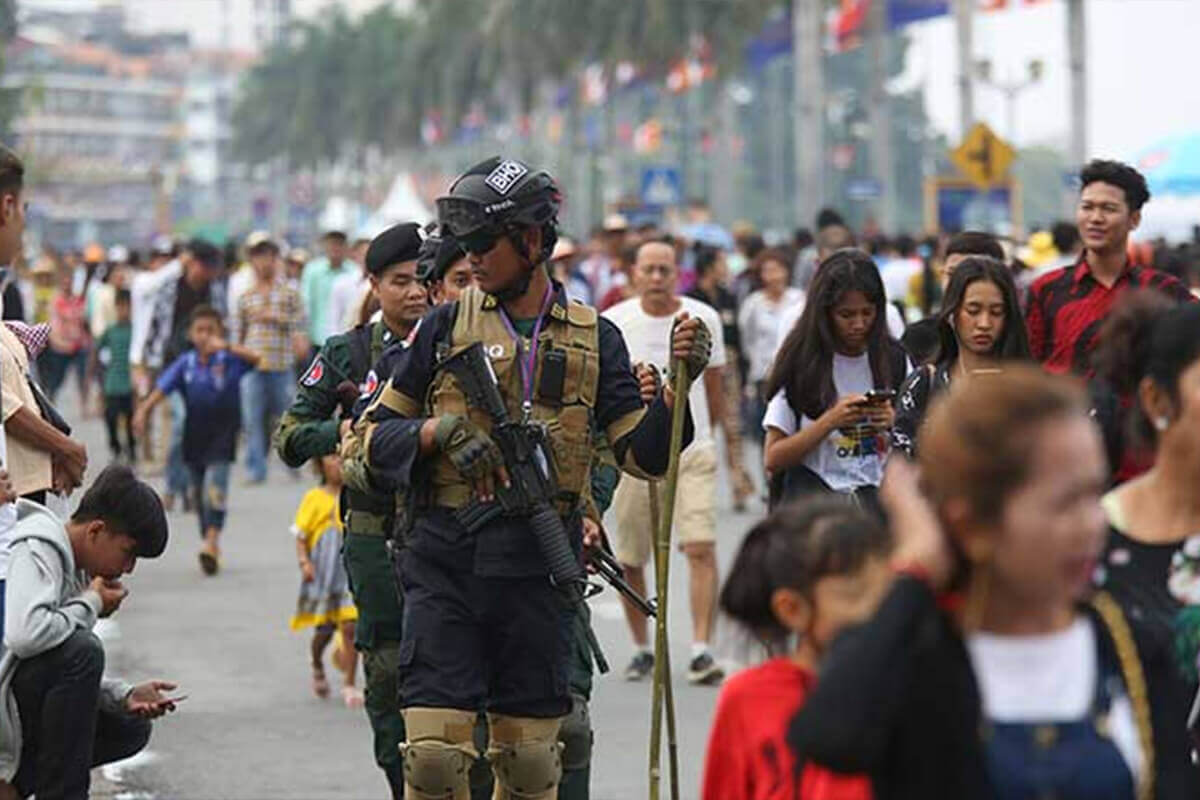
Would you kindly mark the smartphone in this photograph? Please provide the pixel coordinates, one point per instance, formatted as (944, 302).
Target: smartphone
(179, 699)
(880, 396)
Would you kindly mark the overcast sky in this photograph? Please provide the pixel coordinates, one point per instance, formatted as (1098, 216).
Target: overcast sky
(1143, 61)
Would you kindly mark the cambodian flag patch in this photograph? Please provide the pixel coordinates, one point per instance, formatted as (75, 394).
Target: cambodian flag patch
(370, 384)
(315, 372)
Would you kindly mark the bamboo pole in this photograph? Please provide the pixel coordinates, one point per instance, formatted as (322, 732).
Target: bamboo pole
(663, 694)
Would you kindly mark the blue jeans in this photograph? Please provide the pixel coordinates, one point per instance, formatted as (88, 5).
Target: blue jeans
(210, 484)
(177, 471)
(265, 396)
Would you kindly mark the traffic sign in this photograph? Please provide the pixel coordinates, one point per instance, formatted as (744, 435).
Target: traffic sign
(662, 186)
(983, 157)
(864, 188)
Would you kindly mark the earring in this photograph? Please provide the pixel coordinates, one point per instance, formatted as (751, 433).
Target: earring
(1161, 423)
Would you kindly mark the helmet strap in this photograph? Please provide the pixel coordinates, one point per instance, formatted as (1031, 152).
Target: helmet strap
(521, 284)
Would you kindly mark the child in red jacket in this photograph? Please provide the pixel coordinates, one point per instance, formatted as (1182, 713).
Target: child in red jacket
(805, 572)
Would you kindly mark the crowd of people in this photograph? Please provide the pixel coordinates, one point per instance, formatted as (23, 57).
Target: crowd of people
(978, 575)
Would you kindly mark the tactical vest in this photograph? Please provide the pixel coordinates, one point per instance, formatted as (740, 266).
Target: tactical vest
(567, 415)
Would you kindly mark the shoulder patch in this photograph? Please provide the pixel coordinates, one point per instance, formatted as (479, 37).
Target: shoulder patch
(370, 384)
(505, 176)
(316, 370)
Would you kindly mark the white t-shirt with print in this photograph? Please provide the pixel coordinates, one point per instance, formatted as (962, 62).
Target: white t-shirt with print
(849, 457)
(649, 340)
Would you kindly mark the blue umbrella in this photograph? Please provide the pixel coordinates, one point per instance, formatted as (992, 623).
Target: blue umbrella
(1173, 165)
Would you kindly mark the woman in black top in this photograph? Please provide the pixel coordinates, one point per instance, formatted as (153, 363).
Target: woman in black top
(979, 326)
(1011, 689)
(1152, 561)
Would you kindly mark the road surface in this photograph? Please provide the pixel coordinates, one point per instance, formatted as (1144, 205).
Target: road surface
(251, 729)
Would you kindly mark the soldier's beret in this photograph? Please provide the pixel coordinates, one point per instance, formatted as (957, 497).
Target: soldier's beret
(397, 244)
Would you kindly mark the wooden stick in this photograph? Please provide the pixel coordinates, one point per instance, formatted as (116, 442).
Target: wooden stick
(663, 693)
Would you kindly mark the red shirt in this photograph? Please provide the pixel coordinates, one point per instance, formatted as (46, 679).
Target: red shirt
(1068, 306)
(748, 755)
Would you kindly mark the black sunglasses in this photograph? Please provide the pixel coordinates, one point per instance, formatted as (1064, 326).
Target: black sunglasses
(481, 241)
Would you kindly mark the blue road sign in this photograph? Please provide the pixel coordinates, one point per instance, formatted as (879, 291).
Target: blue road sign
(662, 186)
(863, 188)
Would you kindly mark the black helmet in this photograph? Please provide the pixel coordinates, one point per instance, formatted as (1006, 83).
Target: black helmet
(439, 251)
(499, 197)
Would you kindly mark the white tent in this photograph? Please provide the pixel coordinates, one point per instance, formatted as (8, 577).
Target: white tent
(340, 214)
(402, 204)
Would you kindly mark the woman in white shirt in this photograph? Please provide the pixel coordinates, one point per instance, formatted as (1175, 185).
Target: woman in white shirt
(831, 386)
(759, 319)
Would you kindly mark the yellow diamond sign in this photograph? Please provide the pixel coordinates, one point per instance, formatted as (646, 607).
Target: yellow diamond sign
(983, 156)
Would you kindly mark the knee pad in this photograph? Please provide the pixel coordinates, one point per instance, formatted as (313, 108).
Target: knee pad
(438, 753)
(526, 757)
(576, 736)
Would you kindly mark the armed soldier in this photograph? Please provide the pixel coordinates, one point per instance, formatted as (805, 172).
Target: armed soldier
(444, 268)
(485, 626)
(338, 374)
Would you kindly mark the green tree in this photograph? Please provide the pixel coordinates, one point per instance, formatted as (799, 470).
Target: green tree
(335, 87)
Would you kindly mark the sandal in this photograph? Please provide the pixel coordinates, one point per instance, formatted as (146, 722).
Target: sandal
(320, 685)
(210, 561)
(352, 696)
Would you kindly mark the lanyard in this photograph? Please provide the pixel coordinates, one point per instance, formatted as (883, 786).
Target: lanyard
(529, 363)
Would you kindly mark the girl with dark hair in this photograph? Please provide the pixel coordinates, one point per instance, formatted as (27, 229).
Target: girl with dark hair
(979, 327)
(801, 576)
(1152, 561)
(1119, 368)
(1013, 687)
(831, 386)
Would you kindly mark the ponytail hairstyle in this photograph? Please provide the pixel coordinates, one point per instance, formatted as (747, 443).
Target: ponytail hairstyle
(1147, 336)
(794, 548)
(804, 367)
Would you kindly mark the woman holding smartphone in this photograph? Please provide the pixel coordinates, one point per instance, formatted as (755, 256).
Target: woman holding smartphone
(831, 387)
(979, 328)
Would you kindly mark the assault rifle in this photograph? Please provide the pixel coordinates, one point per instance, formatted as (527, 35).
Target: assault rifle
(533, 484)
(602, 560)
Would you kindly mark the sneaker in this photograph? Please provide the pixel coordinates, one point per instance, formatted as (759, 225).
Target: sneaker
(641, 666)
(704, 671)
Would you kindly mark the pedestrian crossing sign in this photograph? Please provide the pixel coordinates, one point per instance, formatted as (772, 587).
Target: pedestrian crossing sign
(983, 157)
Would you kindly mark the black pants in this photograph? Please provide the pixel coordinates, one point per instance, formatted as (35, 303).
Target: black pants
(116, 405)
(64, 731)
(474, 643)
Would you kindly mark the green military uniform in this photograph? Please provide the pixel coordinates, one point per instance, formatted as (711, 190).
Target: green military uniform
(309, 429)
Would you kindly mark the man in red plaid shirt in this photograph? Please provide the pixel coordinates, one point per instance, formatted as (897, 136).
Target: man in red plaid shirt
(1068, 306)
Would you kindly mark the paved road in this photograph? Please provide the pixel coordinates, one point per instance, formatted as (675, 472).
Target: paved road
(251, 729)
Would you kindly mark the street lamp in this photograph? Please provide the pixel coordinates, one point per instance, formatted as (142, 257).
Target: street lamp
(1010, 88)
